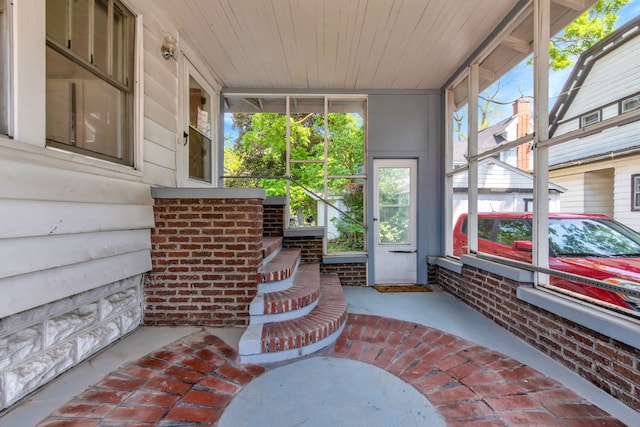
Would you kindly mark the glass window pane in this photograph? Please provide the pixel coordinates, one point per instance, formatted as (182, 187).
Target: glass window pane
(591, 237)
(80, 28)
(255, 140)
(100, 41)
(485, 228)
(511, 230)
(119, 56)
(57, 22)
(344, 232)
(307, 128)
(346, 137)
(200, 155)
(83, 111)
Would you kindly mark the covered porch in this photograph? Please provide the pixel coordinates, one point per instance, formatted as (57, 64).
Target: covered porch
(133, 265)
(474, 373)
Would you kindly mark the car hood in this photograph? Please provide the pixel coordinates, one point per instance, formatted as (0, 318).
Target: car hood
(603, 268)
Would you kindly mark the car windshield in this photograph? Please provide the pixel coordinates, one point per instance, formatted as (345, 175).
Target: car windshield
(583, 237)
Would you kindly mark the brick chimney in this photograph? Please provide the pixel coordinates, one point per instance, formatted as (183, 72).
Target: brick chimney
(521, 110)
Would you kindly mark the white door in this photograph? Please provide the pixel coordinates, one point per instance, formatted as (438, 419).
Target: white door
(394, 213)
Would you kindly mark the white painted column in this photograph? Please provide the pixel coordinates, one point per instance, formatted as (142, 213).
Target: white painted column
(541, 31)
(448, 182)
(472, 150)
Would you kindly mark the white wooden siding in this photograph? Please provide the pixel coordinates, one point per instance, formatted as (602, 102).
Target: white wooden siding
(622, 207)
(32, 218)
(608, 141)
(574, 180)
(571, 200)
(64, 232)
(160, 104)
(598, 192)
(42, 287)
(498, 176)
(612, 77)
(25, 255)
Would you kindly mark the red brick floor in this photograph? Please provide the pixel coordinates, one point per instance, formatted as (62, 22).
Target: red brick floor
(191, 381)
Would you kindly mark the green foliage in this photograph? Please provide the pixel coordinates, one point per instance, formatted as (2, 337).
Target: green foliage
(350, 235)
(590, 27)
(260, 150)
(394, 201)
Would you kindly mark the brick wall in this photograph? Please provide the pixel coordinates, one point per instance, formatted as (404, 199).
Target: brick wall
(609, 364)
(273, 220)
(206, 256)
(310, 247)
(351, 274)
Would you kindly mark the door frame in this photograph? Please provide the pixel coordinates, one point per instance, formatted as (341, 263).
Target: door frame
(402, 254)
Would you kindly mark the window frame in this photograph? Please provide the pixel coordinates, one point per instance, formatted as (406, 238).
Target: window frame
(126, 87)
(629, 99)
(635, 192)
(5, 69)
(585, 118)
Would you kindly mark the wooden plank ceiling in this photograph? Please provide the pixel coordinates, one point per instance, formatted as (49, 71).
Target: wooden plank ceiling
(352, 44)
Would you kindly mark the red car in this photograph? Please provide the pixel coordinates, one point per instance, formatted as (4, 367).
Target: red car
(589, 245)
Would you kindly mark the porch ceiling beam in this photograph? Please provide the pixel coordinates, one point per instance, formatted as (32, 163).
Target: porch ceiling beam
(255, 104)
(517, 44)
(486, 74)
(578, 5)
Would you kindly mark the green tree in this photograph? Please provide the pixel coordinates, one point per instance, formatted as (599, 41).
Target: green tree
(260, 150)
(590, 27)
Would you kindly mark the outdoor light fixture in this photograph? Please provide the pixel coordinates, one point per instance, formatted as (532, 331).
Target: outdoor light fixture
(168, 47)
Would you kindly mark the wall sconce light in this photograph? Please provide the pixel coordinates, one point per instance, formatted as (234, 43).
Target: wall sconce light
(168, 47)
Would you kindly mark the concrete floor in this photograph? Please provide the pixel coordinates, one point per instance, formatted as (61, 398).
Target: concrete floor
(435, 309)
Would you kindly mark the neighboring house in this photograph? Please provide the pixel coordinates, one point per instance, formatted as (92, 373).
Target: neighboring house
(505, 184)
(601, 171)
(509, 129)
(501, 188)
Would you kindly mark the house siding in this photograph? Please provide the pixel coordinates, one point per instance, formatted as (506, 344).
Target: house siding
(75, 236)
(618, 69)
(602, 92)
(576, 180)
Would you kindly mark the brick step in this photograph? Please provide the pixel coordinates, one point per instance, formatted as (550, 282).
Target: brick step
(277, 274)
(270, 248)
(295, 301)
(289, 339)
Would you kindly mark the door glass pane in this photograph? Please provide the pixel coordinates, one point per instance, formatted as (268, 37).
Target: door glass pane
(80, 28)
(100, 42)
(394, 185)
(200, 154)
